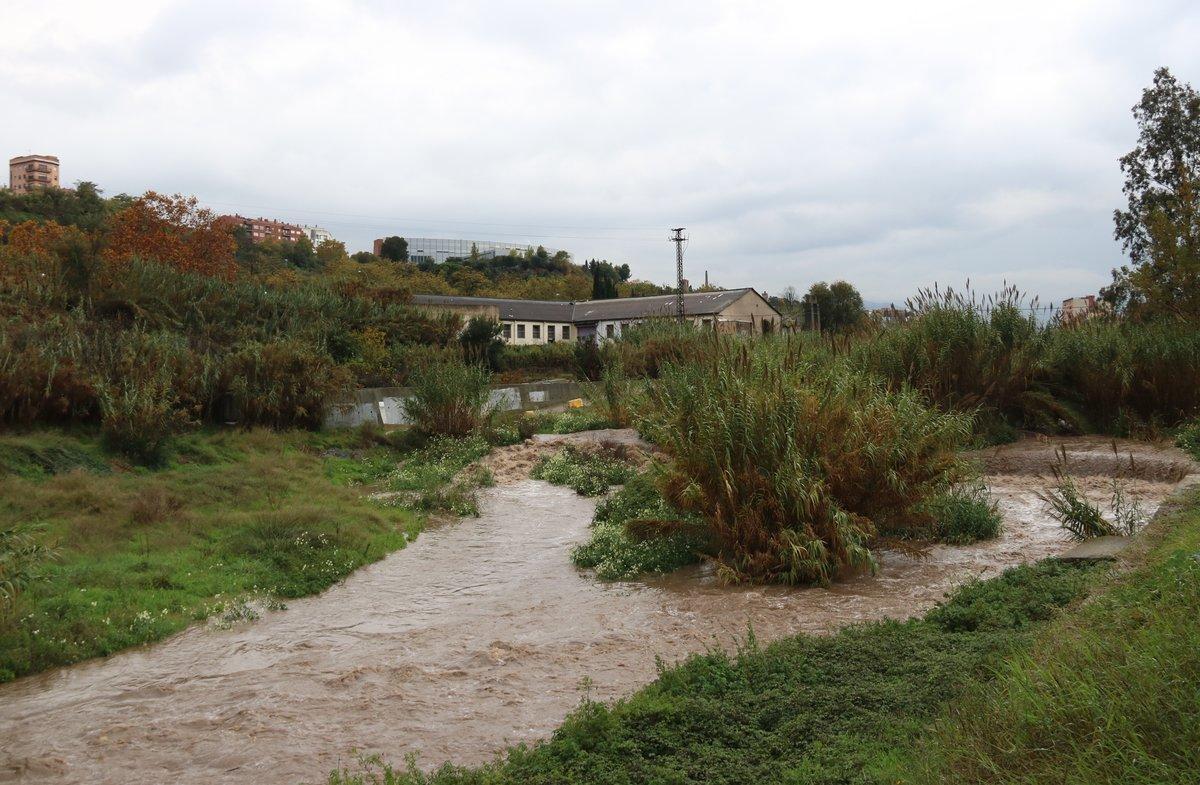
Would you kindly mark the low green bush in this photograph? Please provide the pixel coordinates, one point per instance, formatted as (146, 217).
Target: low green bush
(1188, 438)
(576, 420)
(635, 532)
(965, 514)
(587, 472)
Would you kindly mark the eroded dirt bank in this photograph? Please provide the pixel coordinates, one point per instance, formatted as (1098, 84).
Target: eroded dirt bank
(475, 636)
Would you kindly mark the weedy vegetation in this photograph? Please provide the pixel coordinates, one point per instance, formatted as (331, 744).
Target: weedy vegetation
(635, 532)
(589, 471)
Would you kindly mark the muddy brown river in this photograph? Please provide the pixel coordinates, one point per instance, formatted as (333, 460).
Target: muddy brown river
(476, 636)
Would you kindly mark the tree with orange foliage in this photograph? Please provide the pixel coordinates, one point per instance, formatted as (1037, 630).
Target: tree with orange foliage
(176, 231)
(31, 237)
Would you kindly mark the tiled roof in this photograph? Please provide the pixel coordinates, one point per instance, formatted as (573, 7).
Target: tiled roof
(510, 310)
(694, 304)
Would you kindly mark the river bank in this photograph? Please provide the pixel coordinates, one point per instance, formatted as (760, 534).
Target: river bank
(476, 636)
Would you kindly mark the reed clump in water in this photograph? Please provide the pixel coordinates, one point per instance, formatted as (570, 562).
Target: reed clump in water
(797, 464)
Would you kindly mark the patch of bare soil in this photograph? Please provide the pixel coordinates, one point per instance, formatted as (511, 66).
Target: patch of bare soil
(515, 462)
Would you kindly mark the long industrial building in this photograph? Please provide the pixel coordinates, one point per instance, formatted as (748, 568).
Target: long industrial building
(547, 321)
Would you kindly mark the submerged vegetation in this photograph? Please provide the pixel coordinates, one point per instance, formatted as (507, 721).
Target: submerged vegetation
(589, 471)
(635, 531)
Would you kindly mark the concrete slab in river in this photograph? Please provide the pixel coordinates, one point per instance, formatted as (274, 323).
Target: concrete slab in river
(1096, 549)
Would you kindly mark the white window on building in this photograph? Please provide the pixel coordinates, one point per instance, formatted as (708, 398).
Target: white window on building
(537, 332)
(566, 332)
(608, 330)
(520, 331)
(550, 333)
(506, 331)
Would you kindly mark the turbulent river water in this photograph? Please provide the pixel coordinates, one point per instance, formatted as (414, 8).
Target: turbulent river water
(475, 636)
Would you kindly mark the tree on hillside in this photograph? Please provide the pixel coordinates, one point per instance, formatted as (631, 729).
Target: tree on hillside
(394, 249)
(176, 231)
(330, 252)
(1160, 228)
(301, 255)
(832, 307)
(84, 206)
(604, 280)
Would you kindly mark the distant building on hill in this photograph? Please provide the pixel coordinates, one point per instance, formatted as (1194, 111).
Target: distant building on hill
(1077, 308)
(548, 321)
(891, 315)
(439, 249)
(317, 235)
(28, 173)
(261, 229)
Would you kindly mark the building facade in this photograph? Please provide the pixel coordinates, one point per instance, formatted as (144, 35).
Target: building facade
(1078, 308)
(32, 173)
(261, 229)
(439, 249)
(317, 235)
(524, 322)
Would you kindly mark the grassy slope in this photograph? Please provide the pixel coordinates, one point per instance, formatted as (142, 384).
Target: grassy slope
(808, 709)
(143, 554)
(1110, 694)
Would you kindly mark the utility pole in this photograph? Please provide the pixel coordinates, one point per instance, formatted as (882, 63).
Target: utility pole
(678, 238)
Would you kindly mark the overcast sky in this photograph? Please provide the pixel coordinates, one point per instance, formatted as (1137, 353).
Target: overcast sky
(890, 144)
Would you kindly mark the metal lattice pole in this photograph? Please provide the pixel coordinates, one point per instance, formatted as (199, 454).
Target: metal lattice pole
(678, 238)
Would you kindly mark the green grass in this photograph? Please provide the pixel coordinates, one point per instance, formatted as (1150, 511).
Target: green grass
(431, 478)
(807, 709)
(1108, 694)
(142, 554)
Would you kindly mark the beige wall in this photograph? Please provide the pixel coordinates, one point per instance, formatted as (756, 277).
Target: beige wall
(44, 172)
(751, 311)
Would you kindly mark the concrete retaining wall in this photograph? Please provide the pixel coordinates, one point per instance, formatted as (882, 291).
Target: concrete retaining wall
(385, 405)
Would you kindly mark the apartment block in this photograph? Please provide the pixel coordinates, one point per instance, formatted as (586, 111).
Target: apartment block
(261, 229)
(32, 172)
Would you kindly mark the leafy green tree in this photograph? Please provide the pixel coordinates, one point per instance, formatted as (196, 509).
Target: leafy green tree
(364, 257)
(394, 249)
(832, 307)
(330, 252)
(301, 255)
(1160, 228)
(604, 280)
